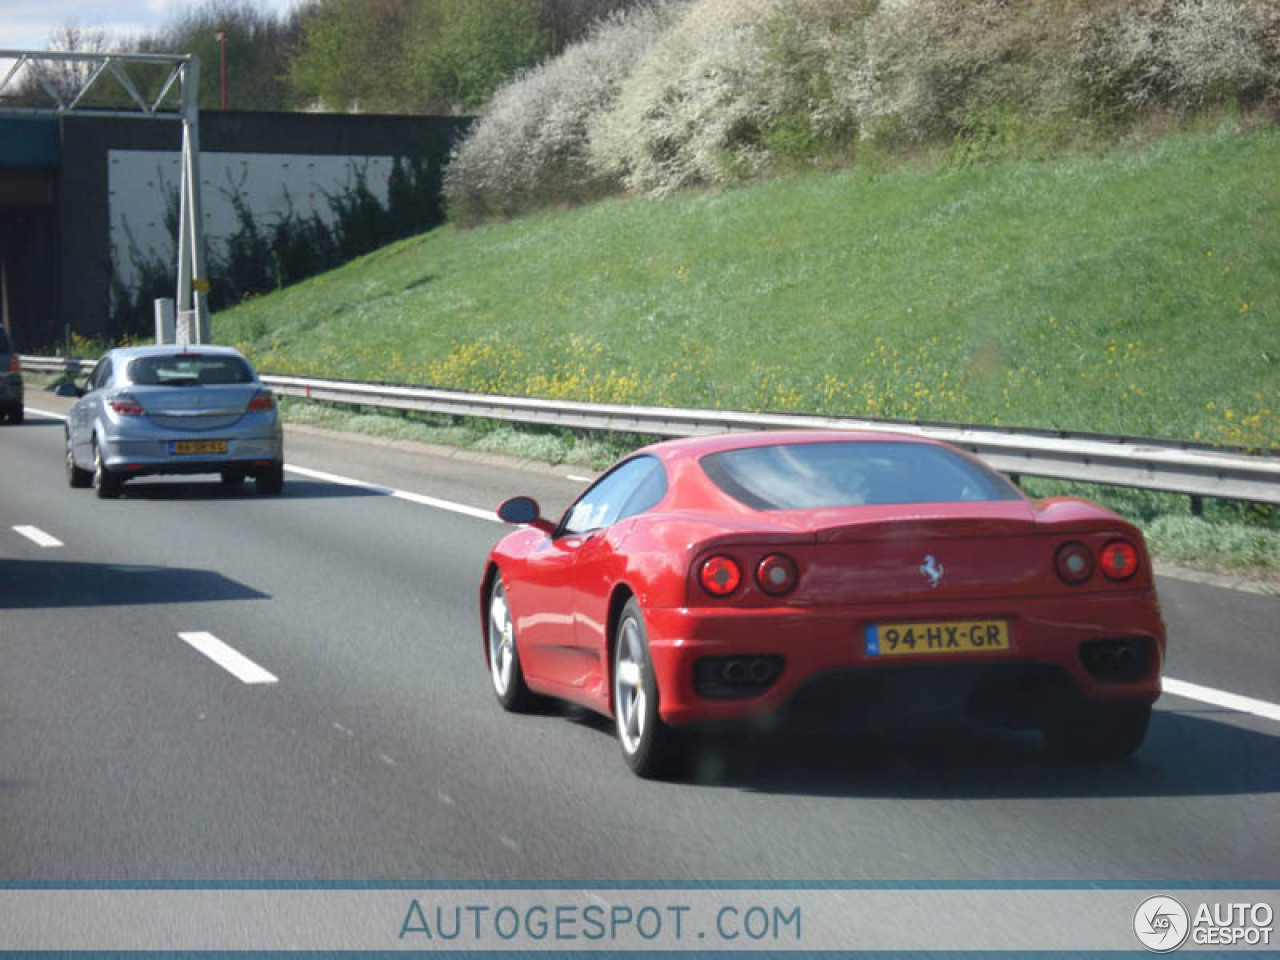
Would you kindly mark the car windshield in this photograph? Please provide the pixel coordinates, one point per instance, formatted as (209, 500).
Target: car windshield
(188, 369)
(801, 476)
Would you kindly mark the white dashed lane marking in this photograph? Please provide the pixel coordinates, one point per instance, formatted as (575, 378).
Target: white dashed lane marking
(38, 536)
(229, 659)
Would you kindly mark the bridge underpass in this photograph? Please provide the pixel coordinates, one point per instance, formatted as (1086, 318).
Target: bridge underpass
(29, 281)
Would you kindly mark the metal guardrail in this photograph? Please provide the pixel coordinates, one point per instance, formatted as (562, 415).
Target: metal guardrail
(1196, 470)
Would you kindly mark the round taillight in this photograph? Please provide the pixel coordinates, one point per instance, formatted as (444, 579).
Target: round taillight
(1119, 560)
(720, 576)
(776, 574)
(1074, 562)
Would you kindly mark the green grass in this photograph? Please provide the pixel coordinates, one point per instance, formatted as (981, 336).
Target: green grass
(1136, 293)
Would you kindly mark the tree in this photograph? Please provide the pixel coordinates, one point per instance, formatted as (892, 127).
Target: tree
(466, 49)
(568, 21)
(258, 47)
(352, 56)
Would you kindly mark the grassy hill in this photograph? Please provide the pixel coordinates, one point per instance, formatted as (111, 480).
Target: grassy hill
(1137, 292)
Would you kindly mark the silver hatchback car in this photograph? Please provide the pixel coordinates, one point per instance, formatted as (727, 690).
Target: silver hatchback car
(173, 410)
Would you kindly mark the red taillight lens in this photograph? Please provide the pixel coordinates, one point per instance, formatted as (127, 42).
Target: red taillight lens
(15, 365)
(1119, 560)
(127, 405)
(720, 576)
(263, 401)
(1074, 563)
(776, 574)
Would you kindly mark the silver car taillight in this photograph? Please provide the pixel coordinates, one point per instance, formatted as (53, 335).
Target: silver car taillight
(264, 400)
(126, 404)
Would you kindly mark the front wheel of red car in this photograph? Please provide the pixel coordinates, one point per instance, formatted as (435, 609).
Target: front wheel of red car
(648, 745)
(504, 656)
(1099, 733)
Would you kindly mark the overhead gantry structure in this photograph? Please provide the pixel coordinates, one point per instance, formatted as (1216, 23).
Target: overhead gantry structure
(66, 84)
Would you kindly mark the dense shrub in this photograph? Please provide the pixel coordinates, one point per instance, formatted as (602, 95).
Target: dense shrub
(1132, 55)
(529, 150)
(691, 111)
(464, 50)
(735, 89)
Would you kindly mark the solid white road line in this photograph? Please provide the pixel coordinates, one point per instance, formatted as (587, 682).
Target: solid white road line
(38, 536)
(229, 659)
(1220, 698)
(47, 413)
(418, 498)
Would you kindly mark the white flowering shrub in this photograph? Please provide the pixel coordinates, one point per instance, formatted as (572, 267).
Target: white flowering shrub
(925, 62)
(698, 92)
(1135, 55)
(690, 107)
(733, 85)
(529, 148)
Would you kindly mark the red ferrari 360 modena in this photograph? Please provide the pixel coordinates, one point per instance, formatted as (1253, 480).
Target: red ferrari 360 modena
(823, 577)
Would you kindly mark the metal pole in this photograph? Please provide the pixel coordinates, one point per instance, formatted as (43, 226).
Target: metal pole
(193, 285)
(222, 46)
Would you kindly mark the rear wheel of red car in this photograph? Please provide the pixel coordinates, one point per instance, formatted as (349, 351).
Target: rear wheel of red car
(1099, 732)
(504, 656)
(648, 745)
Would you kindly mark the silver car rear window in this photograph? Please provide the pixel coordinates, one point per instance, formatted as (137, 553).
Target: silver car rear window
(799, 476)
(188, 370)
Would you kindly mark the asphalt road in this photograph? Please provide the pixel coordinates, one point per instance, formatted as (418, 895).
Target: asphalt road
(379, 752)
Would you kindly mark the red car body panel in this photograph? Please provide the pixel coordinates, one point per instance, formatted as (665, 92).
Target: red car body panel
(857, 566)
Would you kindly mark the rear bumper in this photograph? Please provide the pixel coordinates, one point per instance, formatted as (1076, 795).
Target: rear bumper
(823, 658)
(141, 457)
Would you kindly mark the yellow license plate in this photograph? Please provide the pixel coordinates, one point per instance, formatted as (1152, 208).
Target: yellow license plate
(200, 446)
(916, 639)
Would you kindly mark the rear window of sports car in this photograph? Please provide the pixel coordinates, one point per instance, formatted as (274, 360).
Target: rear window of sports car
(800, 476)
(188, 370)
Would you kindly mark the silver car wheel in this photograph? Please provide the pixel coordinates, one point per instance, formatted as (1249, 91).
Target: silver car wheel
(628, 687)
(501, 641)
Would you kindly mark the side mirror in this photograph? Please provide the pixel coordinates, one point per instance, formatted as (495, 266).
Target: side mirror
(524, 511)
(68, 390)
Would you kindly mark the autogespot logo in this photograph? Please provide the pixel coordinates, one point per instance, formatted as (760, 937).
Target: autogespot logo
(1161, 924)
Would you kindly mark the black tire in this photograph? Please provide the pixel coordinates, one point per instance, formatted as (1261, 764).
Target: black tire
(650, 748)
(105, 483)
(17, 415)
(232, 478)
(502, 654)
(270, 482)
(76, 477)
(1098, 732)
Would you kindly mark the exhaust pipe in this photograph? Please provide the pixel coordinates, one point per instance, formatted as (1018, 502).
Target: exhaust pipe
(1104, 660)
(1125, 656)
(735, 671)
(761, 671)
